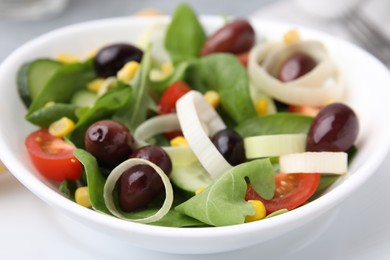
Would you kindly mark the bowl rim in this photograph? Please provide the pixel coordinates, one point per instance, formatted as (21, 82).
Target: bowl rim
(310, 211)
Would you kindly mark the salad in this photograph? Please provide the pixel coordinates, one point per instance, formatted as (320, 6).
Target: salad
(185, 129)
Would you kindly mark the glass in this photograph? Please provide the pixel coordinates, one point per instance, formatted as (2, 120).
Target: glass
(30, 9)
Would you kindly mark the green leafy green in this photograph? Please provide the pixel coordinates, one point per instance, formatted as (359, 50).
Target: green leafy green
(95, 180)
(278, 212)
(135, 111)
(46, 115)
(279, 123)
(63, 84)
(225, 74)
(105, 106)
(223, 203)
(185, 35)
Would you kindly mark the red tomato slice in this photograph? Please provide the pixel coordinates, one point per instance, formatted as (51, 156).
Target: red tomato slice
(52, 156)
(304, 110)
(168, 100)
(291, 191)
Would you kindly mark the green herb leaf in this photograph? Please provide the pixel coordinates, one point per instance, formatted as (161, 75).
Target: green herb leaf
(185, 35)
(46, 115)
(95, 180)
(63, 84)
(135, 111)
(223, 203)
(226, 75)
(279, 123)
(115, 98)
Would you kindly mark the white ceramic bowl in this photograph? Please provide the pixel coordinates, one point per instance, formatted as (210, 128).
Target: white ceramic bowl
(368, 92)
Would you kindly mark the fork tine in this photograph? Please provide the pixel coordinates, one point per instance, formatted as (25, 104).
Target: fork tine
(368, 36)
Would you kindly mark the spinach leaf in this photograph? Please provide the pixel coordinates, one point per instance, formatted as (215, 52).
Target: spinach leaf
(95, 180)
(63, 84)
(225, 74)
(134, 112)
(46, 115)
(104, 107)
(279, 123)
(223, 203)
(185, 35)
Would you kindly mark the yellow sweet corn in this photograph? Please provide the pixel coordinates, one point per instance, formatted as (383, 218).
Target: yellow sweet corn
(82, 197)
(261, 106)
(128, 71)
(291, 36)
(199, 190)
(260, 211)
(95, 85)
(67, 58)
(61, 127)
(49, 104)
(178, 141)
(165, 70)
(213, 98)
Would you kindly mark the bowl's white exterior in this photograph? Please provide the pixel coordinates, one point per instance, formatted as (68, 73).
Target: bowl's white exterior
(368, 84)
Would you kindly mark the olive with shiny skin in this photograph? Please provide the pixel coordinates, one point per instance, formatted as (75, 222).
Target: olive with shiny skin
(137, 187)
(296, 66)
(235, 37)
(140, 184)
(110, 59)
(334, 129)
(109, 141)
(231, 145)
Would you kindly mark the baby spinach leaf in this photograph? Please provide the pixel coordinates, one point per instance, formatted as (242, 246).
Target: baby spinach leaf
(46, 115)
(63, 84)
(185, 35)
(223, 203)
(226, 75)
(95, 180)
(279, 123)
(134, 112)
(104, 107)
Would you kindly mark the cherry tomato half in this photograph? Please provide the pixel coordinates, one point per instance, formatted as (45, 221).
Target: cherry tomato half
(291, 191)
(168, 100)
(52, 156)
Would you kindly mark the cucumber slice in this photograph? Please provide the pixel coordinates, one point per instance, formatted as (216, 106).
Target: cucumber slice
(32, 77)
(190, 177)
(274, 145)
(84, 98)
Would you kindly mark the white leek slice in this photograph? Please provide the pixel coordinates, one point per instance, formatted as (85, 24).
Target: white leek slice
(162, 124)
(154, 35)
(113, 179)
(274, 145)
(193, 111)
(314, 162)
(305, 90)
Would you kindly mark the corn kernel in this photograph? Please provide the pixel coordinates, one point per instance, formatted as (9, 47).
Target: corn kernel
(49, 104)
(95, 85)
(199, 190)
(165, 70)
(260, 211)
(3, 169)
(128, 71)
(61, 127)
(82, 197)
(213, 98)
(291, 36)
(67, 58)
(179, 141)
(149, 12)
(261, 106)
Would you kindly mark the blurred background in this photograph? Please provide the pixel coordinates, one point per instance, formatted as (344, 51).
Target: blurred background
(360, 21)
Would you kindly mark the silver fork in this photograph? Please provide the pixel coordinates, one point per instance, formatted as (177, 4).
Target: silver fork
(367, 34)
